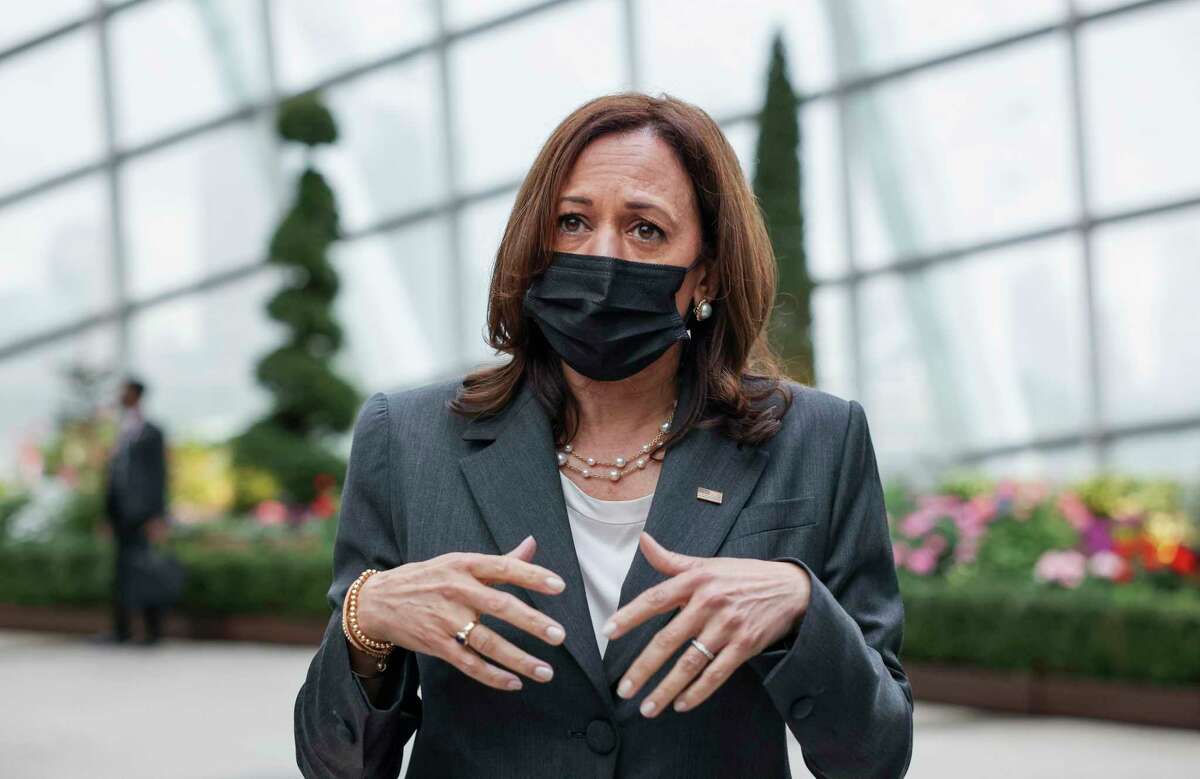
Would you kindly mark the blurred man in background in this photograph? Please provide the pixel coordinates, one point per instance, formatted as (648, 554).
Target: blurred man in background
(135, 504)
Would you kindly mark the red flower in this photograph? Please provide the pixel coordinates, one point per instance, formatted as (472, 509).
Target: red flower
(323, 506)
(1184, 561)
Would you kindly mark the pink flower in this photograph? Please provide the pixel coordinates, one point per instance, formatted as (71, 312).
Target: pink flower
(922, 561)
(1075, 511)
(1107, 564)
(271, 512)
(899, 553)
(1066, 567)
(918, 523)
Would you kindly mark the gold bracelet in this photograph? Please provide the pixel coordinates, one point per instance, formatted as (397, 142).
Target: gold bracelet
(380, 650)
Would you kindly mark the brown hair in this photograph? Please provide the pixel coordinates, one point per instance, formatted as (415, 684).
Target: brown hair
(733, 369)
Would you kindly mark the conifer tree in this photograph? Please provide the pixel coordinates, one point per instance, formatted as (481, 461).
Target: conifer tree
(777, 184)
(311, 403)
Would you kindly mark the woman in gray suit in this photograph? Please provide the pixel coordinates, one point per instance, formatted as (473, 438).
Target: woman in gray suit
(633, 549)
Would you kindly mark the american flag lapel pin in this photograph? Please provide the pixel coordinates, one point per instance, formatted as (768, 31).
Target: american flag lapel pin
(712, 496)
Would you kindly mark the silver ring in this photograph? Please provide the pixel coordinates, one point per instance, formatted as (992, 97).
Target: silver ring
(703, 650)
(463, 635)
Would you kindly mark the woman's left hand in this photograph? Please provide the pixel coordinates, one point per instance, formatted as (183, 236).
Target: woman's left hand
(735, 607)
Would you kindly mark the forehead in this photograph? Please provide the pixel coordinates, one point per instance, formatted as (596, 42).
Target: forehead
(633, 161)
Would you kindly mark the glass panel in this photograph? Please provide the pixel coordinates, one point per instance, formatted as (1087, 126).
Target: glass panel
(962, 153)
(198, 354)
(214, 48)
(978, 352)
(28, 20)
(823, 220)
(1147, 276)
(57, 260)
(316, 38)
(1174, 455)
(397, 305)
(1139, 79)
(833, 346)
(482, 224)
(390, 154)
(716, 54)
(463, 13)
(880, 34)
(53, 118)
(197, 208)
(1092, 6)
(1058, 465)
(513, 86)
(34, 389)
(824, 214)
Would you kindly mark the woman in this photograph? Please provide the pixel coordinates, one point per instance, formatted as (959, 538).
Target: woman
(504, 512)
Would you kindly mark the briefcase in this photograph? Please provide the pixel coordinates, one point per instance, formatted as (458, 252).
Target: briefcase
(155, 578)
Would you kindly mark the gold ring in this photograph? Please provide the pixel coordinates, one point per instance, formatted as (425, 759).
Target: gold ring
(463, 635)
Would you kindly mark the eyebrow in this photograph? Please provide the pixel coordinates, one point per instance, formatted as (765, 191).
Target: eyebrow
(633, 205)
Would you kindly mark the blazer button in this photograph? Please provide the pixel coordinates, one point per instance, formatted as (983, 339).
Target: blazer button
(345, 733)
(801, 707)
(601, 738)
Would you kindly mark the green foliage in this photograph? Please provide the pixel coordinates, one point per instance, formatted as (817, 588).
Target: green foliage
(777, 184)
(84, 514)
(1012, 545)
(293, 461)
(1115, 495)
(311, 402)
(305, 119)
(1100, 630)
(10, 504)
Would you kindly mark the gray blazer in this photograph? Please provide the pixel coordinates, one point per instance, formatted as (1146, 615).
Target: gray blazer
(423, 481)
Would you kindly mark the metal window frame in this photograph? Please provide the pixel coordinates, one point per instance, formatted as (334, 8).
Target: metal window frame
(1095, 437)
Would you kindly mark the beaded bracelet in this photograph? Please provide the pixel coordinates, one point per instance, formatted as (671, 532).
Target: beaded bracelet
(380, 650)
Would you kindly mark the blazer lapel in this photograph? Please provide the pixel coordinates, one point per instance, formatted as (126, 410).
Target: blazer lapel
(683, 523)
(517, 487)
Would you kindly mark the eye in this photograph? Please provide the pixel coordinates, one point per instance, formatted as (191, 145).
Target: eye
(649, 231)
(570, 223)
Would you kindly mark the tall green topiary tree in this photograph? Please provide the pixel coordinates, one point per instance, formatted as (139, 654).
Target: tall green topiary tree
(777, 183)
(311, 403)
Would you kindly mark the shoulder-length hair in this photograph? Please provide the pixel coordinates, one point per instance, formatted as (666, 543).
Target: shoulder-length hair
(728, 358)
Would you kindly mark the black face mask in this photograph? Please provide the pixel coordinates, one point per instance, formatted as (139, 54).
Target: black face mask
(608, 318)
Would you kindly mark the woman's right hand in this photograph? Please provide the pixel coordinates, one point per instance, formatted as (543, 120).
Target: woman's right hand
(420, 606)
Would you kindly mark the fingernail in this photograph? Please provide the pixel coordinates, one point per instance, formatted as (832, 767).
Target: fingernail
(680, 704)
(625, 687)
(610, 627)
(555, 633)
(555, 583)
(514, 684)
(648, 707)
(543, 672)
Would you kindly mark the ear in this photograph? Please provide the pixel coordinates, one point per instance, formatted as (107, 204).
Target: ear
(706, 283)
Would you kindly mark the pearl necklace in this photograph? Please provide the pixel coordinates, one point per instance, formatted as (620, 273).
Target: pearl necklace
(621, 465)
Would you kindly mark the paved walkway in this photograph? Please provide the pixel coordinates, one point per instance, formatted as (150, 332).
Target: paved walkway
(224, 711)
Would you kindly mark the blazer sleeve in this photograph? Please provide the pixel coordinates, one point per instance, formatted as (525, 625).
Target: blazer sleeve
(837, 680)
(339, 732)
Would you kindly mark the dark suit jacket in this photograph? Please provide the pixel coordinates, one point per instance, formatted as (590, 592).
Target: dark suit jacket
(423, 482)
(136, 490)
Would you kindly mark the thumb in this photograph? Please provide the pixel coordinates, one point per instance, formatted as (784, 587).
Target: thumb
(524, 550)
(664, 559)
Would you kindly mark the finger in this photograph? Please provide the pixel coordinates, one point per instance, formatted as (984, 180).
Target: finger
(516, 612)
(663, 559)
(660, 648)
(489, 643)
(502, 569)
(474, 666)
(729, 658)
(524, 550)
(659, 599)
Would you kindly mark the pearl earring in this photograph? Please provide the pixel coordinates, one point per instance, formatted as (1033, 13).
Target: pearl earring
(703, 309)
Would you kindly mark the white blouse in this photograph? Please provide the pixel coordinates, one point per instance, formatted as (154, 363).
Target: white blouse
(606, 540)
